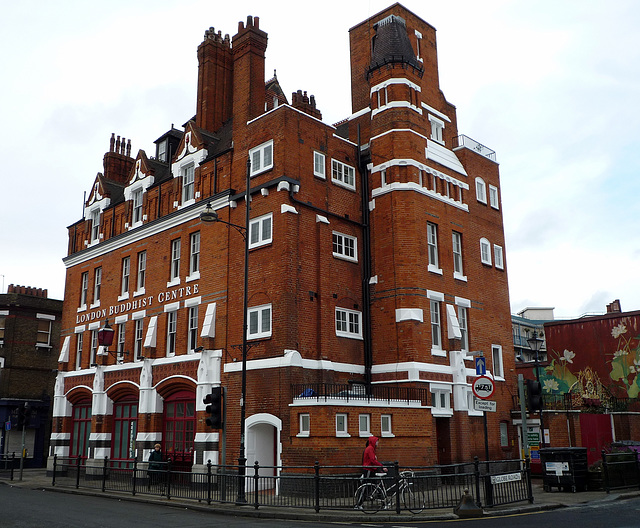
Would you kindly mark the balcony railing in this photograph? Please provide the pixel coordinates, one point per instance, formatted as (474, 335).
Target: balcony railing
(359, 393)
(466, 142)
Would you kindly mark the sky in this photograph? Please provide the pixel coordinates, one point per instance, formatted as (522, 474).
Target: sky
(552, 86)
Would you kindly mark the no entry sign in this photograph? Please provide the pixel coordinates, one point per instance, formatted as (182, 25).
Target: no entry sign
(483, 387)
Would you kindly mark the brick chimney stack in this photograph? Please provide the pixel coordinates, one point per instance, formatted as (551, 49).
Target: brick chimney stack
(249, 46)
(118, 161)
(27, 290)
(215, 81)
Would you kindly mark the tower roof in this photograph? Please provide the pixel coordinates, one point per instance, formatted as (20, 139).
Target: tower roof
(391, 44)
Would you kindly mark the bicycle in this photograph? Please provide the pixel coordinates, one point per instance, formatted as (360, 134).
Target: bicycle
(371, 498)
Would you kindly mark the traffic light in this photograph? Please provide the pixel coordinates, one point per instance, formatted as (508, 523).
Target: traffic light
(23, 415)
(213, 402)
(534, 395)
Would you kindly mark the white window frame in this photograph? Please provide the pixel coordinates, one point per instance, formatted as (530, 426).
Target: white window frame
(437, 128)
(125, 285)
(138, 339)
(188, 183)
(97, 286)
(94, 347)
(261, 231)
(463, 323)
(84, 290)
(162, 150)
(344, 246)
(263, 313)
(497, 364)
(386, 430)
(342, 431)
(304, 425)
(192, 332)
(95, 225)
(493, 197)
(432, 248)
(481, 190)
(261, 158)
(458, 269)
(48, 323)
(364, 425)
(136, 197)
(319, 165)
(504, 434)
(440, 399)
(498, 256)
(436, 325)
(348, 323)
(141, 273)
(343, 174)
(194, 255)
(174, 270)
(121, 343)
(485, 251)
(79, 344)
(172, 332)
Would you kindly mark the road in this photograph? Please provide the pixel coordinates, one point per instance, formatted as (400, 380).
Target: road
(27, 508)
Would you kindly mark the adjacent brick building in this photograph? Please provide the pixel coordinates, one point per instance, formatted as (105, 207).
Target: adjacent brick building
(30, 325)
(376, 271)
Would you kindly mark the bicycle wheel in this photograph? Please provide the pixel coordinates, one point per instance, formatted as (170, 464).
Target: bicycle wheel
(413, 500)
(369, 498)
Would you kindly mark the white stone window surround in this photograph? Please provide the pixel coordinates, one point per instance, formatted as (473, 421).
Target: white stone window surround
(442, 399)
(364, 425)
(481, 190)
(497, 365)
(438, 298)
(382, 87)
(304, 421)
(485, 251)
(189, 155)
(386, 430)
(343, 245)
(437, 128)
(464, 303)
(261, 158)
(418, 40)
(194, 257)
(342, 425)
(456, 239)
(94, 217)
(188, 175)
(432, 248)
(138, 182)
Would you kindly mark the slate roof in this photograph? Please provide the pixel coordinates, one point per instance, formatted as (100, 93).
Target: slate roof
(391, 44)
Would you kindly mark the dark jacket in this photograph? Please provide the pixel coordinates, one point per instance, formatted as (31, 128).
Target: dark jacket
(155, 460)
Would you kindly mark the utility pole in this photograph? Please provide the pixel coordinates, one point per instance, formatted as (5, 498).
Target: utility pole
(523, 415)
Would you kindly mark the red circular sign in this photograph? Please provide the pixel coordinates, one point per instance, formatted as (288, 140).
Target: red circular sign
(483, 387)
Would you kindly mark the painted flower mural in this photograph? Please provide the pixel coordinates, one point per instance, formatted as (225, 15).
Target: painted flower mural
(557, 378)
(625, 364)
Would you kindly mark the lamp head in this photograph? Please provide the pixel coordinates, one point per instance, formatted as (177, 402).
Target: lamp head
(209, 215)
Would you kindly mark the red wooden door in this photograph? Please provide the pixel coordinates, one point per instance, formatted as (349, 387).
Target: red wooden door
(596, 433)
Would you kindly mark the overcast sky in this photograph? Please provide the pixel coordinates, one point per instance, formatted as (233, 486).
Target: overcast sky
(552, 86)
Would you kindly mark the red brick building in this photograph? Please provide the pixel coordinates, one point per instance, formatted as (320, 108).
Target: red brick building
(376, 267)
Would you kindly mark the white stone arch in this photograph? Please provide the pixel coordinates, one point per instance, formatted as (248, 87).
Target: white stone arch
(263, 444)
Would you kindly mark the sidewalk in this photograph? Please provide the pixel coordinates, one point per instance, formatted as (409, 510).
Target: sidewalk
(37, 479)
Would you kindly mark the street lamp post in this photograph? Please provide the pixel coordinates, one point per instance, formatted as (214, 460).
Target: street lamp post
(535, 344)
(209, 215)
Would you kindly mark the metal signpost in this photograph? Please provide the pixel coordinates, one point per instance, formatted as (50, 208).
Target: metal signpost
(483, 388)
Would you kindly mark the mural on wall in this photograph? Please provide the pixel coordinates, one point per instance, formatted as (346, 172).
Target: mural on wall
(557, 378)
(625, 364)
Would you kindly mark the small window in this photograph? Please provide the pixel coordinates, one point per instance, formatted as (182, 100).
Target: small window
(343, 174)
(95, 225)
(137, 205)
(187, 183)
(341, 425)
(261, 158)
(432, 247)
(348, 323)
(194, 257)
(457, 255)
(3, 324)
(142, 270)
(84, 289)
(385, 425)
(437, 127)
(138, 339)
(504, 434)
(172, 320)
(364, 425)
(193, 328)
(94, 347)
(498, 257)
(485, 251)
(162, 150)
(319, 169)
(345, 246)
(174, 274)
(261, 231)
(493, 197)
(496, 358)
(44, 333)
(259, 322)
(436, 332)
(305, 425)
(97, 285)
(463, 322)
(79, 343)
(126, 271)
(120, 347)
(481, 191)
(441, 400)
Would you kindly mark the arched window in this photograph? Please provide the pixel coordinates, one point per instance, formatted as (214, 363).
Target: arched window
(179, 427)
(125, 429)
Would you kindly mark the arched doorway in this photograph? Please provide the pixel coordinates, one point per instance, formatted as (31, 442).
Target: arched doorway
(179, 429)
(264, 447)
(125, 429)
(81, 429)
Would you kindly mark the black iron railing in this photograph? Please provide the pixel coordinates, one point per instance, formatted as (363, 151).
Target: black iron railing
(357, 392)
(8, 463)
(317, 487)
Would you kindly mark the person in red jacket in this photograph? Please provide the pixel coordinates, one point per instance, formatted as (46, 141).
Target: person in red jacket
(370, 462)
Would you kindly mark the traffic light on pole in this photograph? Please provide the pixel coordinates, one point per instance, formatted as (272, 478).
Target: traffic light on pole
(534, 395)
(213, 402)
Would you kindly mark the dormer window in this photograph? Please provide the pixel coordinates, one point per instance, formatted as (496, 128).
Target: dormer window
(187, 183)
(437, 126)
(136, 196)
(162, 151)
(95, 225)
